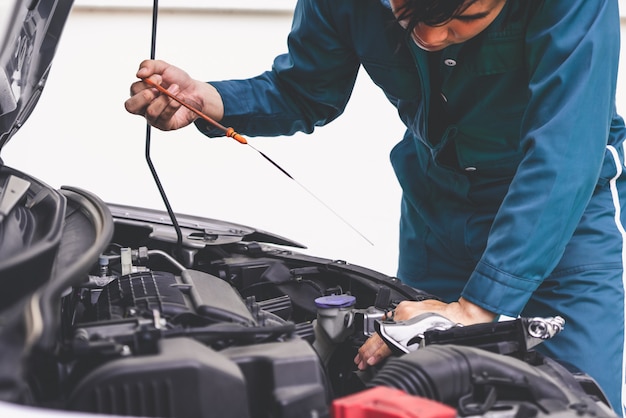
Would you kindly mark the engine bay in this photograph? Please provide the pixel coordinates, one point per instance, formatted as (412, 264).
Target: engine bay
(211, 319)
(251, 310)
(234, 325)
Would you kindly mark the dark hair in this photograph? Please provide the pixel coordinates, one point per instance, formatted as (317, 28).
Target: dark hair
(431, 12)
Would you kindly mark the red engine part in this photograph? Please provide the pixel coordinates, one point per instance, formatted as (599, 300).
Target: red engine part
(384, 402)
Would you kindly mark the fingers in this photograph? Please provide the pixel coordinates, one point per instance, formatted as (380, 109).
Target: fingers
(161, 110)
(148, 68)
(158, 109)
(154, 70)
(408, 309)
(140, 97)
(461, 312)
(138, 86)
(464, 312)
(141, 94)
(372, 352)
(375, 349)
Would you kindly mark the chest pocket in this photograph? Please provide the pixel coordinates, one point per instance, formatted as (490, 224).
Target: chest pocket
(487, 97)
(495, 52)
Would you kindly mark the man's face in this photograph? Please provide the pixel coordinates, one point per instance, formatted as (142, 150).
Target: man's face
(459, 29)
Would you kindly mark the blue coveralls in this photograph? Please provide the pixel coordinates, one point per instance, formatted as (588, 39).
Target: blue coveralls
(516, 203)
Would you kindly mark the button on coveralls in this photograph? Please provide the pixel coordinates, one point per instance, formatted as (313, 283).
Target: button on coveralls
(517, 205)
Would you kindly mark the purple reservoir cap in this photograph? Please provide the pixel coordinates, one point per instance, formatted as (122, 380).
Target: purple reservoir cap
(335, 301)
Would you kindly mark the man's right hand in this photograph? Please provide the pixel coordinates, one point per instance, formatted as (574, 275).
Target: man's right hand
(164, 113)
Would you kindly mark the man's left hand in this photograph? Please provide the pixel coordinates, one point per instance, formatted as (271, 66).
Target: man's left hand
(461, 312)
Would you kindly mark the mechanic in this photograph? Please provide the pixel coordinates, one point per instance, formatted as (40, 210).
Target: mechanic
(511, 164)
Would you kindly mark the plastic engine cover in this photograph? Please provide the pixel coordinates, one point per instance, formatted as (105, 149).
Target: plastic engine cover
(384, 402)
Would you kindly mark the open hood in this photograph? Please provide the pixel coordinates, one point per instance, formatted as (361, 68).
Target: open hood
(30, 34)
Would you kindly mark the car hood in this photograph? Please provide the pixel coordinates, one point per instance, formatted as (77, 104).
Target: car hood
(30, 35)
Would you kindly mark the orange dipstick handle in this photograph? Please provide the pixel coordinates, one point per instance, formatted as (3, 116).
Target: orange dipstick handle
(230, 132)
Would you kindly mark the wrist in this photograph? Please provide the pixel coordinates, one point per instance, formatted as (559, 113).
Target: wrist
(475, 313)
(211, 100)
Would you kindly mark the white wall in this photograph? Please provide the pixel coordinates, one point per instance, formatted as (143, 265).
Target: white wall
(80, 134)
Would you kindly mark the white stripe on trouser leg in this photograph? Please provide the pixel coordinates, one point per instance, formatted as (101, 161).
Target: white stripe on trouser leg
(620, 227)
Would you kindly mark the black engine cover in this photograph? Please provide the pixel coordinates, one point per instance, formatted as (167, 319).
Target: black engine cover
(189, 379)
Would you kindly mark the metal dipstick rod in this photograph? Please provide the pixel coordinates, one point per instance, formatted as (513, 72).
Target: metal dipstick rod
(230, 132)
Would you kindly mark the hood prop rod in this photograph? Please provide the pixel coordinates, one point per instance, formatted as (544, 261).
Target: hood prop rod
(170, 212)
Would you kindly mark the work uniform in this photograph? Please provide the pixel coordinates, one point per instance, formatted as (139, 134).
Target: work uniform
(511, 164)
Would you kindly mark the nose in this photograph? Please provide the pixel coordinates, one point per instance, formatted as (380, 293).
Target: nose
(431, 35)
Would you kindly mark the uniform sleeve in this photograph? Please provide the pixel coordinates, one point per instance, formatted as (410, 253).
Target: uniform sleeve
(307, 87)
(572, 54)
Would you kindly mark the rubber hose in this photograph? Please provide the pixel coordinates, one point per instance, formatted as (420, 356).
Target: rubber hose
(445, 373)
